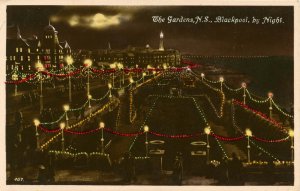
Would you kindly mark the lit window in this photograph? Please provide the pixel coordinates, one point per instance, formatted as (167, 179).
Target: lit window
(20, 49)
(14, 57)
(17, 49)
(10, 58)
(38, 57)
(28, 50)
(21, 58)
(37, 49)
(28, 58)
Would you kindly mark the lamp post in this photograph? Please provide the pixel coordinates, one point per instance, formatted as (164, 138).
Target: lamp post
(66, 109)
(207, 132)
(101, 126)
(90, 107)
(221, 80)
(62, 127)
(137, 72)
(244, 85)
(36, 123)
(39, 66)
(113, 66)
(15, 77)
(146, 130)
(70, 61)
(131, 82)
(270, 95)
(88, 63)
(248, 134)
(291, 134)
(120, 67)
(109, 87)
(202, 76)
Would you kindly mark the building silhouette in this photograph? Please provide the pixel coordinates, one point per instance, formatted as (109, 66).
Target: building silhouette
(132, 56)
(23, 53)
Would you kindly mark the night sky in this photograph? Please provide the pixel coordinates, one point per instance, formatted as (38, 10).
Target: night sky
(92, 27)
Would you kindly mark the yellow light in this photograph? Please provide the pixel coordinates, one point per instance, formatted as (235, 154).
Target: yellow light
(154, 72)
(131, 80)
(36, 122)
(248, 132)
(165, 66)
(90, 96)
(221, 79)
(270, 95)
(149, 66)
(202, 75)
(120, 66)
(66, 107)
(101, 125)
(291, 133)
(69, 60)
(62, 125)
(109, 85)
(146, 128)
(207, 130)
(244, 85)
(88, 63)
(144, 74)
(39, 66)
(113, 66)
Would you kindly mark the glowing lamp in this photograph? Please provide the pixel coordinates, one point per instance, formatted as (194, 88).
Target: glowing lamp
(165, 66)
(270, 95)
(69, 60)
(101, 125)
(207, 130)
(39, 66)
(154, 72)
(109, 85)
(244, 85)
(291, 133)
(66, 107)
(62, 126)
(36, 122)
(112, 66)
(88, 63)
(248, 132)
(149, 67)
(131, 80)
(89, 96)
(146, 129)
(120, 66)
(202, 75)
(221, 79)
(144, 74)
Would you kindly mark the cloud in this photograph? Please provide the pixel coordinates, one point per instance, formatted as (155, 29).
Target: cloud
(96, 21)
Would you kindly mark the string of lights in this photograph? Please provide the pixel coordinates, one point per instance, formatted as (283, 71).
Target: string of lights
(280, 110)
(239, 130)
(53, 122)
(261, 115)
(144, 123)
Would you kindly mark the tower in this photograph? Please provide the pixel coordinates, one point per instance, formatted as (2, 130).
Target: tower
(161, 41)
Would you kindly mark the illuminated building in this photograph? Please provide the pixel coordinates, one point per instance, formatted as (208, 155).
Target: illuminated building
(22, 54)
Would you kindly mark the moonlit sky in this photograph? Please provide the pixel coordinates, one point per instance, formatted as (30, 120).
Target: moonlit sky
(92, 27)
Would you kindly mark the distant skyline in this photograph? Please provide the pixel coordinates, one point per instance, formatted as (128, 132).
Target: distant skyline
(92, 27)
